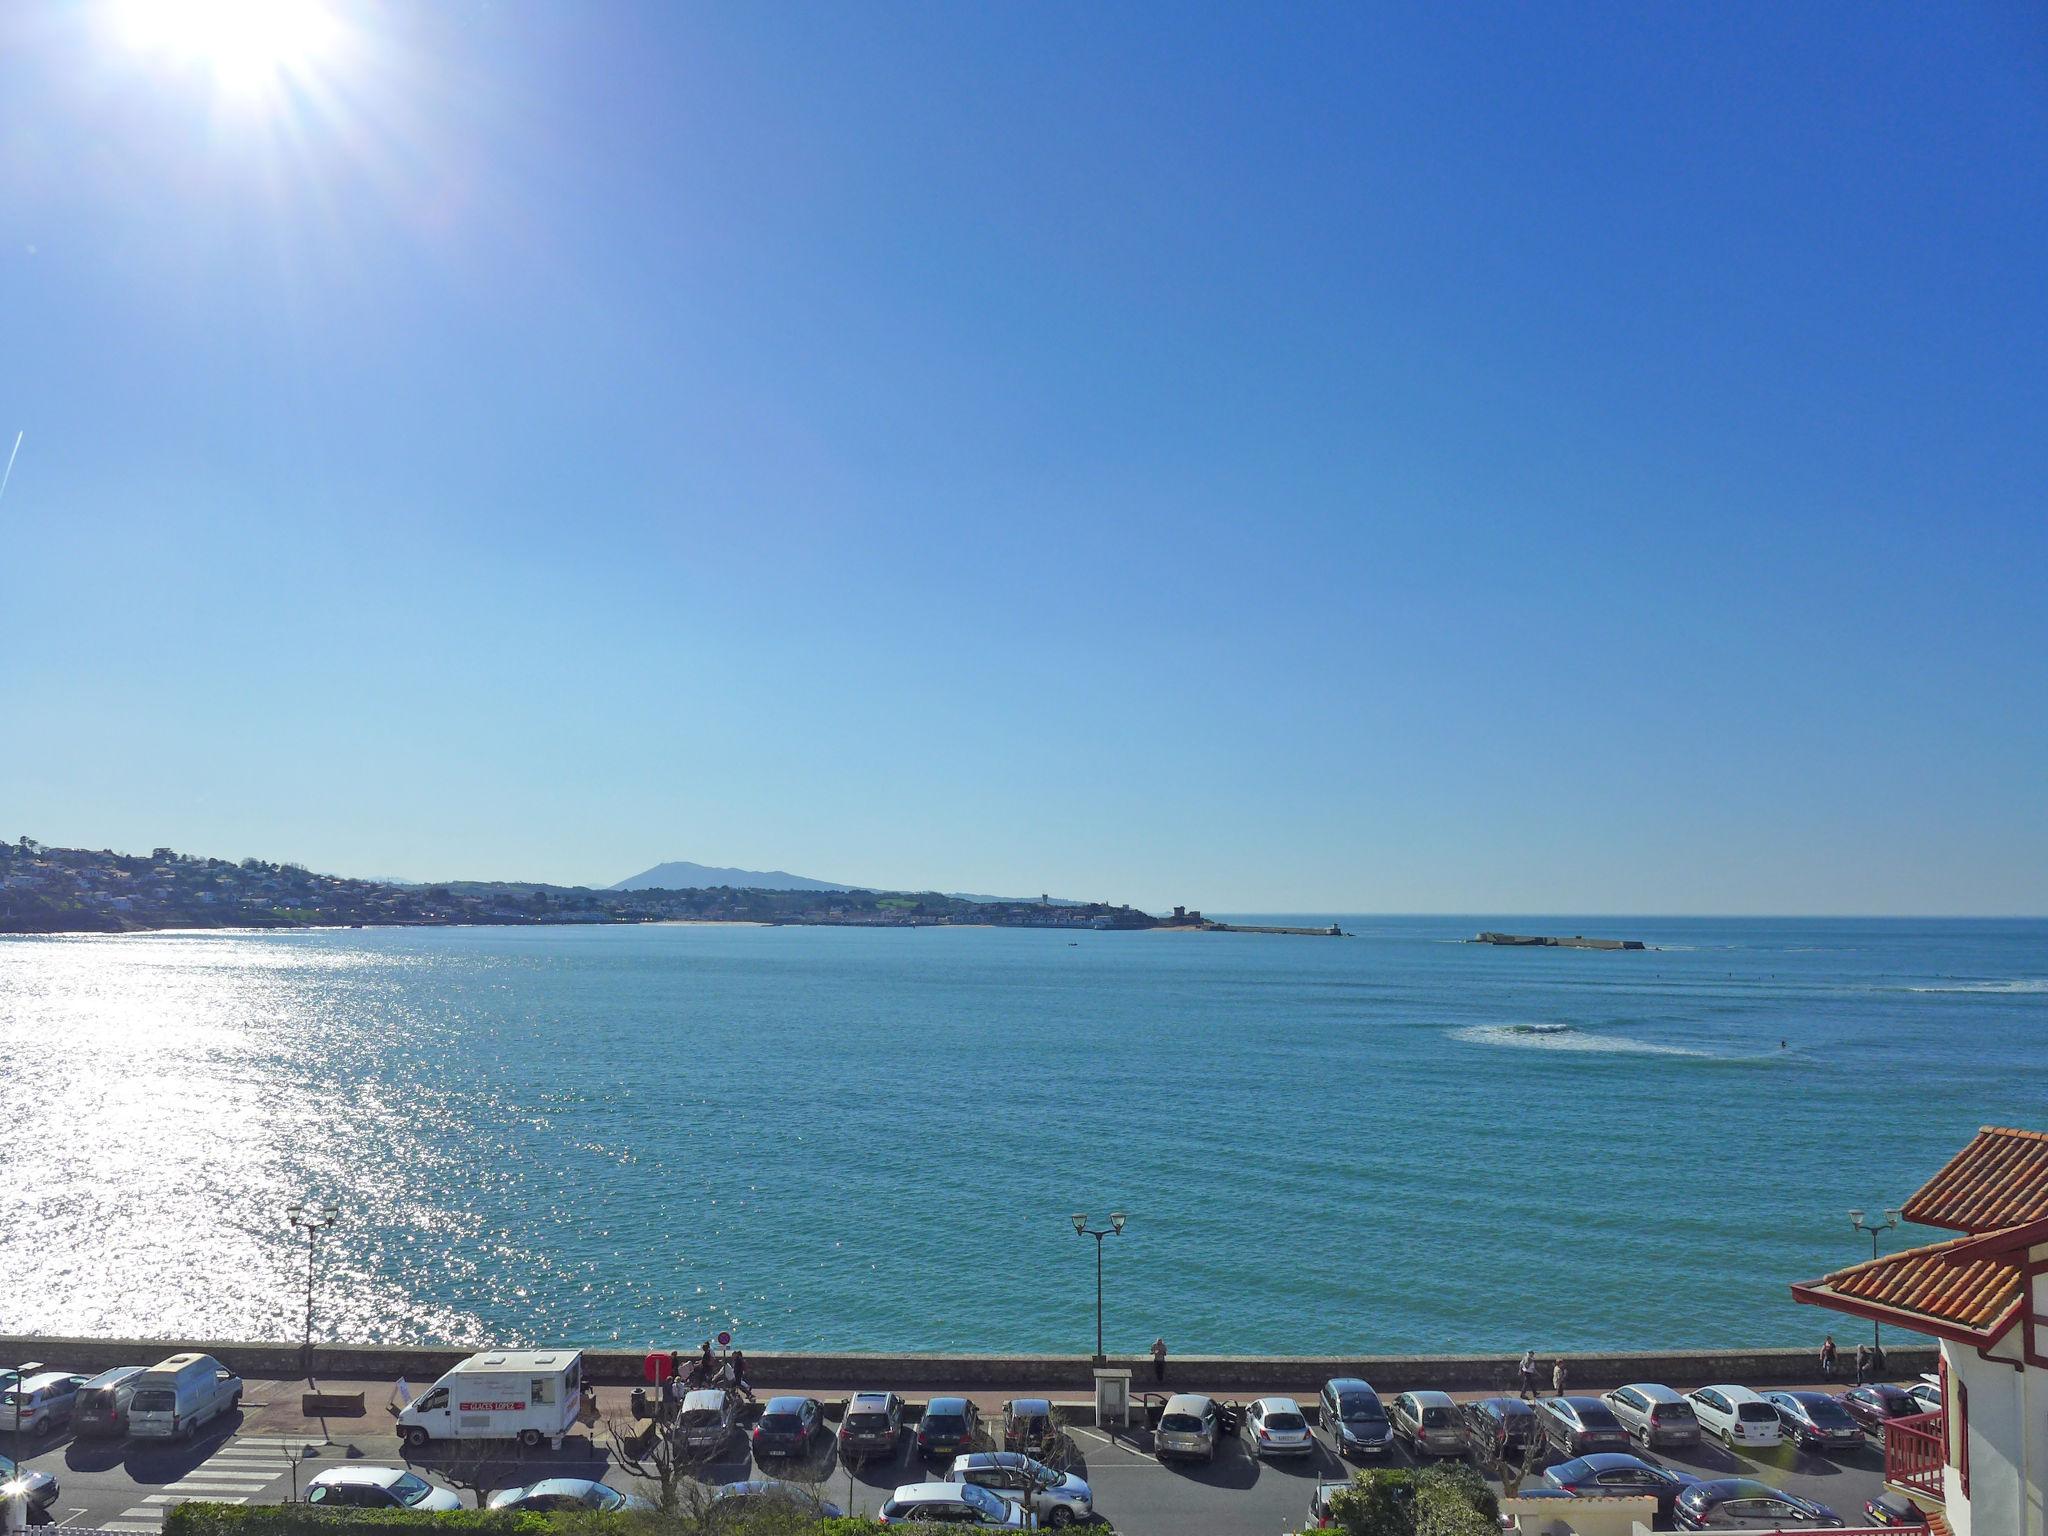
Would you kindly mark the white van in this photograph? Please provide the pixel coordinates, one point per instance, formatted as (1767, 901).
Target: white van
(526, 1394)
(175, 1397)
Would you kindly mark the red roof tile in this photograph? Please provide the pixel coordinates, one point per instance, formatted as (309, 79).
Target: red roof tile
(1999, 1180)
(1967, 1289)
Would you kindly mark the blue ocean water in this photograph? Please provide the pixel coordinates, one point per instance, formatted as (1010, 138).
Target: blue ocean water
(872, 1139)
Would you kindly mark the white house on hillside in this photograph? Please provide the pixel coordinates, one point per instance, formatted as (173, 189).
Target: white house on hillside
(1980, 1465)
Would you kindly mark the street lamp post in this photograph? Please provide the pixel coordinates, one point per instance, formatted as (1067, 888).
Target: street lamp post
(1857, 1223)
(312, 1220)
(1114, 1229)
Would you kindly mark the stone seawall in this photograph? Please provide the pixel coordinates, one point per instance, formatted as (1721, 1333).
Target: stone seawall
(1045, 1373)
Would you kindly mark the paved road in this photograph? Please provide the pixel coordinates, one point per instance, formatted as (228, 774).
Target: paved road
(127, 1486)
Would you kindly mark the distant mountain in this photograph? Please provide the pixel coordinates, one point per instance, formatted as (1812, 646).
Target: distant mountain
(682, 875)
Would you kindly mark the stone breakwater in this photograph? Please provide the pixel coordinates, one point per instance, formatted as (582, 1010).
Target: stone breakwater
(1043, 1373)
(1546, 941)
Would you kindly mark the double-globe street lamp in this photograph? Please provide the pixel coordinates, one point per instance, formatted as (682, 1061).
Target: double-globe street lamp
(312, 1220)
(1857, 1223)
(1114, 1229)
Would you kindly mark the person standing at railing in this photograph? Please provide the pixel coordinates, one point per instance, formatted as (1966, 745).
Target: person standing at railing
(1827, 1358)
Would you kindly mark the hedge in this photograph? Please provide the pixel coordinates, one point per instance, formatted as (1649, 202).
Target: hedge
(1437, 1501)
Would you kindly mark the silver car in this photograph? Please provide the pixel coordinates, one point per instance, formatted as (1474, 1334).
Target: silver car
(1654, 1414)
(1190, 1429)
(1058, 1498)
(1428, 1421)
(1275, 1426)
(40, 1403)
(706, 1421)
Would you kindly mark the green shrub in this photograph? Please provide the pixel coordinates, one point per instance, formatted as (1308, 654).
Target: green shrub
(1376, 1504)
(1455, 1501)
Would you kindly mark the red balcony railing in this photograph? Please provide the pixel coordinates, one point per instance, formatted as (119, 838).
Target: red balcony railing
(1913, 1454)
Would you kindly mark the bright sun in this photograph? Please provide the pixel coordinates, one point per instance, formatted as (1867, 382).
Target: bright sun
(249, 45)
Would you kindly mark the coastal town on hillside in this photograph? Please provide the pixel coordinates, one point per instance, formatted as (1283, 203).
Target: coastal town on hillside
(80, 890)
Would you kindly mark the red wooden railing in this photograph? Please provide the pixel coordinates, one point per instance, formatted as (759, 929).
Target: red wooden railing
(1913, 1453)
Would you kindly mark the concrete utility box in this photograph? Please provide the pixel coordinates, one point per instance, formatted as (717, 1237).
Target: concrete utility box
(1112, 1398)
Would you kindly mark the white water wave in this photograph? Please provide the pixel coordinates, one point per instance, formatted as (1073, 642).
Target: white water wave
(2007, 987)
(1562, 1037)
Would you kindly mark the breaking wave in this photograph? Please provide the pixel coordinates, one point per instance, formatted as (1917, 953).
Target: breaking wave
(1979, 987)
(1563, 1037)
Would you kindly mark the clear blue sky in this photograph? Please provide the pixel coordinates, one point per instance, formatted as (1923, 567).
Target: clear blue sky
(1535, 458)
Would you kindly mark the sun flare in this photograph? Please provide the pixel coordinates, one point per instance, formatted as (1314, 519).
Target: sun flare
(248, 45)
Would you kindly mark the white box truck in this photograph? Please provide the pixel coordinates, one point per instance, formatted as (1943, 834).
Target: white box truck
(529, 1395)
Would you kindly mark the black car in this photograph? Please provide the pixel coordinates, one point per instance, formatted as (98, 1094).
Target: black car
(1576, 1425)
(1617, 1472)
(1815, 1421)
(873, 1426)
(1878, 1401)
(1500, 1426)
(1744, 1504)
(788, 1425)
(1351, 1411)
(950, 1425)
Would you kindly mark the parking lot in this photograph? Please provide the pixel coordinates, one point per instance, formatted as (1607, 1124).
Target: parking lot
(265, 1453)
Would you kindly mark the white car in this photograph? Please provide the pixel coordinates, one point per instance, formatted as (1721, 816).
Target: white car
(953, 1504)
(1735, 1416)
(377, 1488)
(1926, 1392)
(1275, 1427)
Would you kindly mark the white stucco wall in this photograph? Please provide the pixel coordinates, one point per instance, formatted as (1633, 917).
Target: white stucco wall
(2008, 1432)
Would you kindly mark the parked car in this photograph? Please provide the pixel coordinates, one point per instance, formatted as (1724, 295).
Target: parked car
(1276, 1426)
(180, 1395)
(952, 1504)
(1355, 1418)
(1428, 1421)
(1895, 1510)
(788, 1425)
(949, 1426)
(1871, 1405)
(1620, 1472)
(569, 1493)
(1500, 1426)
(761, 1492)
(377, 1488)
(873, 1426)
(1735, 1416)
(1744, 1504)
(1190, 1429)
(39, 1403)
(1057, 1498)
(1654, 1414)
(102, 1405)
(1576, 1425)
(1029, 1425)
(706, 1421)
(40, 1487)
(1927, 1393)
(1815, 1421)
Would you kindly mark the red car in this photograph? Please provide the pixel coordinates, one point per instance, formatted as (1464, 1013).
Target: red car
(1877, 1402)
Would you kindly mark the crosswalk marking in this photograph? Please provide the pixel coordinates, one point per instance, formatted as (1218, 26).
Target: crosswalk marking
(220, 1485)
(134, 1526)
(189, 1498)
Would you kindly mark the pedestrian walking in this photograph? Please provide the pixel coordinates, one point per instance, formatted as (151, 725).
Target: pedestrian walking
(1528, 1370)
(1862, 1363)
(1159, 1359)
(1557, 1377)
(1827, 1358)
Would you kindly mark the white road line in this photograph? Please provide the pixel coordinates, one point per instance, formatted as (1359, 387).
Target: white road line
(219, 1485)
(128, 1525)
(189, 1498)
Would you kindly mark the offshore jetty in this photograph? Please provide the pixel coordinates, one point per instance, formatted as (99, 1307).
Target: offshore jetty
(1545, 941)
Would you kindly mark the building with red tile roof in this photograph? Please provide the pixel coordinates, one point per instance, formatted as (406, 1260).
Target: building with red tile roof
(1982, 1460)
